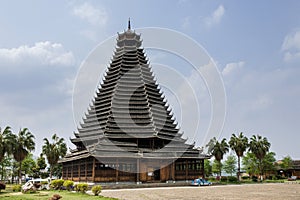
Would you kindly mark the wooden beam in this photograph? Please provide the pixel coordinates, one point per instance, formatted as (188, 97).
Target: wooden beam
(62, 173)
(86, 169)
(138, 170)
(173, 171)
(117, 170)
(72, 170)
(202, 168)
(186, 169)
(79, 166)
(67, 172)
(93, 172)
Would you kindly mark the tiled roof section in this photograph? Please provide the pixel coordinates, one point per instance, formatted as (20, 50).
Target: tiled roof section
(129, 116)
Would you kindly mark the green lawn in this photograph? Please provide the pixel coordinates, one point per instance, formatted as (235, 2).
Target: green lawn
(45, 195)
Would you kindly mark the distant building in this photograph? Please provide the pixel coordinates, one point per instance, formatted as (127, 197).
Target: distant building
(294, 170)
(129, 133)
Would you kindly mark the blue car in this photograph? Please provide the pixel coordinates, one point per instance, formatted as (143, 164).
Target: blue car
(200, 182)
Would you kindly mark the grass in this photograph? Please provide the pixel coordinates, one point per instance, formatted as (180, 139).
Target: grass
(8, 194)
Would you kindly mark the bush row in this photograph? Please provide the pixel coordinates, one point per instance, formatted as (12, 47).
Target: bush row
(60, 184)
(224, 179)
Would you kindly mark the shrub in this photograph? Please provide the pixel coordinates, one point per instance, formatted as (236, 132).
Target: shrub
(68, 184)
(30, 191)
(44, 182)
(245, 177)
(57, 184)
(254, 178)
(96, 189)
(212, 179)
(16, 188)
(2, 186)
(224, 178)
(232, 178)
(81, 187)
(280, 177)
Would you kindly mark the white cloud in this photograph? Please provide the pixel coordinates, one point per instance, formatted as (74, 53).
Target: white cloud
(291, 41)
(291, 47)
(89, 34)
(262, 102)
(66, 86)
(215, 17)
(291, 56)
(231, 67)
(95, 16)
(186, 22)
(41, 53)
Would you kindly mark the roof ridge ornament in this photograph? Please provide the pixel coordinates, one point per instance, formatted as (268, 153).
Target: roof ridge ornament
(129, 26)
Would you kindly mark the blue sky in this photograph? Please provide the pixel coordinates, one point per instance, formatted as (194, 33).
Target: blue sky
(255, 45)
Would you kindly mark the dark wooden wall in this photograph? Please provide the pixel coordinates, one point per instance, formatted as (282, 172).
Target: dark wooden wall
(123, 170)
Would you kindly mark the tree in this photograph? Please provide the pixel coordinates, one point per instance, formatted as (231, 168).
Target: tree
(250, 164)
(5, 142)
(23, 143)
(41, 166)
(57, 170)
(5, 148)
(239, 144)
(268, 163)
(210, 145)
(41, 162)
(286, 163)
(5, 166)
(259, 146)
(14, 170)
(207, 168)
(219, 150)
(29, 165)
(217, 167)
(54, 151)
(230, 165)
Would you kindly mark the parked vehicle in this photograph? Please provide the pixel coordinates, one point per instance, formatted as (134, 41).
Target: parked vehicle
(39, 184)
(200, 182)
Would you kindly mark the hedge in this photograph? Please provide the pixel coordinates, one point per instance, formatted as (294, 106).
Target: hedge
(96, 189)
(68, 184)
(81, 187)
(57, 184)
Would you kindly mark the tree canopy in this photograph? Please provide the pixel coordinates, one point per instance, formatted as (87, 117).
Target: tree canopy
(23, 143)
(259, 146)
(239, 144)
(229, 165)
(54, 150)
(5, 142)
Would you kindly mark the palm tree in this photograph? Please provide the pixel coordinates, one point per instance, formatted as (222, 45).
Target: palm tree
(5, 140)
(219, 150)
(23, 143)
(239, 144)
(259, 146)
(210, 145)
(54, 151)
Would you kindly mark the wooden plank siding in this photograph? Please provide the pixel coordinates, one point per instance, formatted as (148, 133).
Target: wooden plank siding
(120, 170)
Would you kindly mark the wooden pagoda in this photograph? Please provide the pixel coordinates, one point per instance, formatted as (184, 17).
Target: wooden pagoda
(129, 133)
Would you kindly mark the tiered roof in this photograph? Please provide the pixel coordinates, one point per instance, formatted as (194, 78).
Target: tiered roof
(129, 117)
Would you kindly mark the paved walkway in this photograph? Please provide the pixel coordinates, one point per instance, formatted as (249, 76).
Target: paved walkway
(278, 191)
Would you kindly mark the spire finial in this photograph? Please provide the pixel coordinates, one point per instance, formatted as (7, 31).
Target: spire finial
(129, 26)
